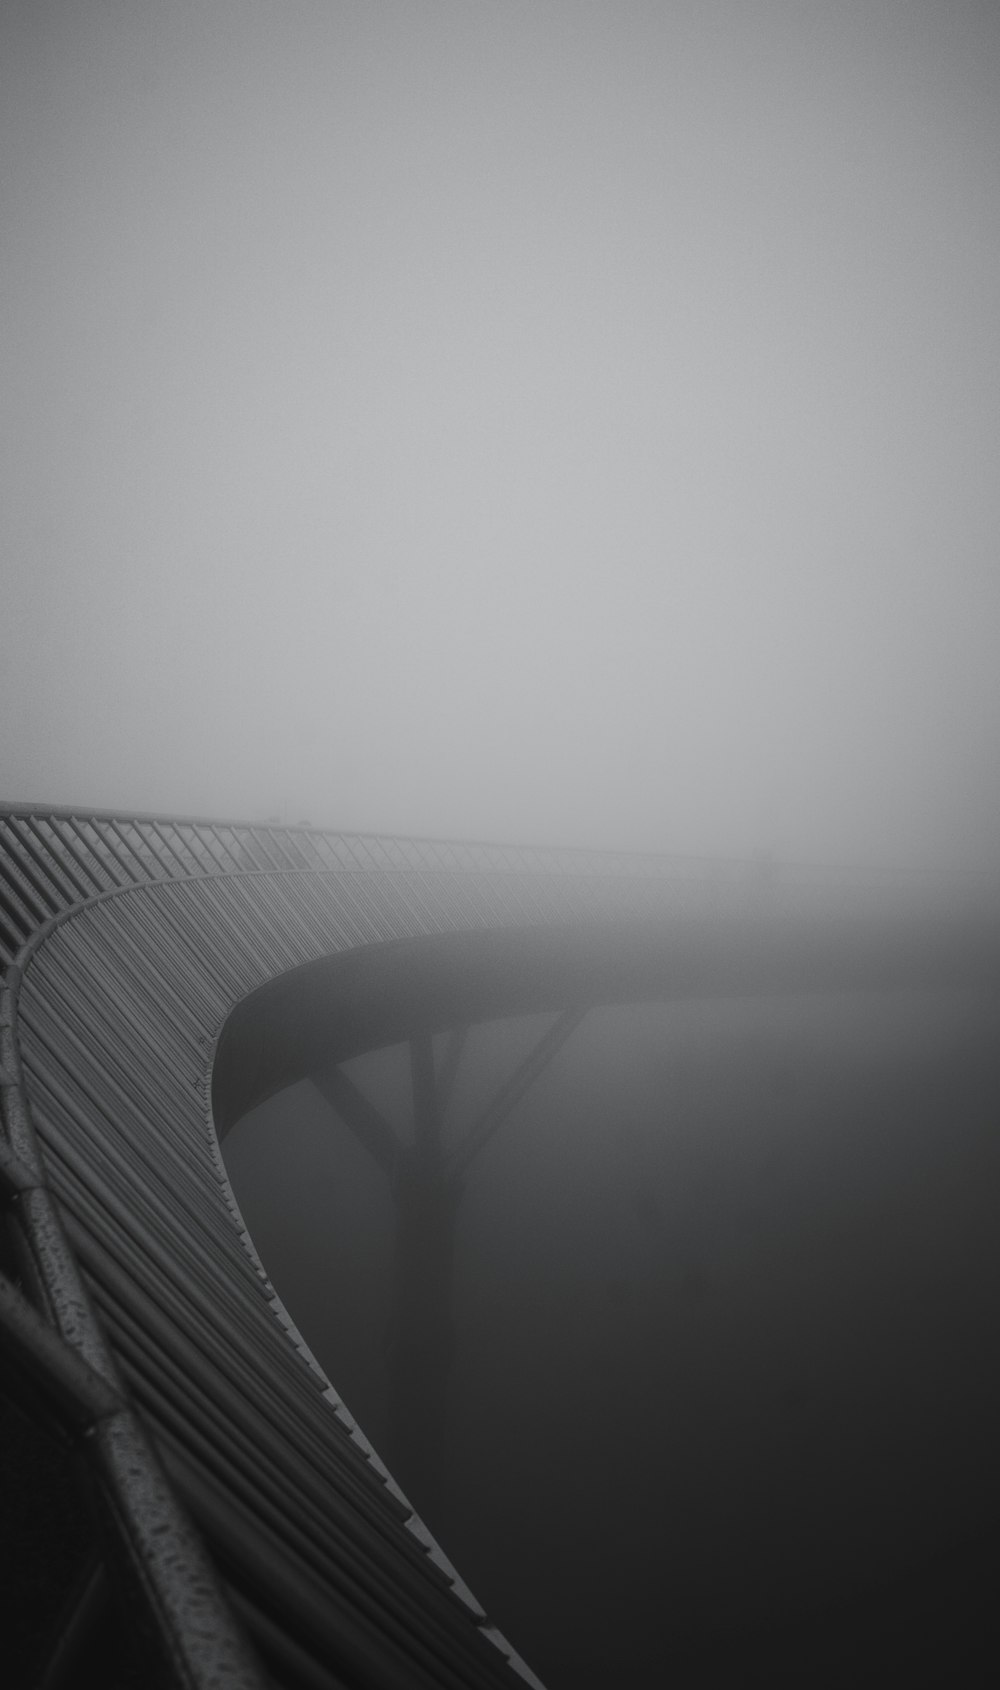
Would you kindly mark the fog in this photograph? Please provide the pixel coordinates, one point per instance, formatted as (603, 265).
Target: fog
(723, 1398)
(560, 421)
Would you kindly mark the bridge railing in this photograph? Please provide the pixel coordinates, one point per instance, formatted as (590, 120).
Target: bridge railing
(53, 858)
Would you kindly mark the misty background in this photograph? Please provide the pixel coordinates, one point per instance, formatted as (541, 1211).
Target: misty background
(559, 420)
(723, 1403)
(574, 422)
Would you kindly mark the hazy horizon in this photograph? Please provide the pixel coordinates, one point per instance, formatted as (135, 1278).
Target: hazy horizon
(566, 422)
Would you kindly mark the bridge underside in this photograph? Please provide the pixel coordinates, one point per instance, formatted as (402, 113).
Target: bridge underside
(162, 978)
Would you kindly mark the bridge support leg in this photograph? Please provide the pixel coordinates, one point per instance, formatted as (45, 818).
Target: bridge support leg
(421, 1333)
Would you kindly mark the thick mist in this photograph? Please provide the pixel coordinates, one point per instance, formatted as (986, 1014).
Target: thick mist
(723, 1395)
(564, 421)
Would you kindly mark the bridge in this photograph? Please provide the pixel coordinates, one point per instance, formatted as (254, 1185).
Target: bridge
(195, 1505)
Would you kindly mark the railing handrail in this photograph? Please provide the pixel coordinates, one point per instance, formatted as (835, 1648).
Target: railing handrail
(763, 865)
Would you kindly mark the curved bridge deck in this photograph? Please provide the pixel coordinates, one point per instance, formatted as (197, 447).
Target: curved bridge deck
(256, 1534)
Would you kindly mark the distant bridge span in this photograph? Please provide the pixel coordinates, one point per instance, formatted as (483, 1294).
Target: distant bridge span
(222, 1519)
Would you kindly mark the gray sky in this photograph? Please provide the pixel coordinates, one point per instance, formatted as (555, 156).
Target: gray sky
(565, 420)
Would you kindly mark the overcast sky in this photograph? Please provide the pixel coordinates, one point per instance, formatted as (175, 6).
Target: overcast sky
(558, 420)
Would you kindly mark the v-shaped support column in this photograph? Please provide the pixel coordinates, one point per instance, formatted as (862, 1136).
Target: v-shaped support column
(426, 1185)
